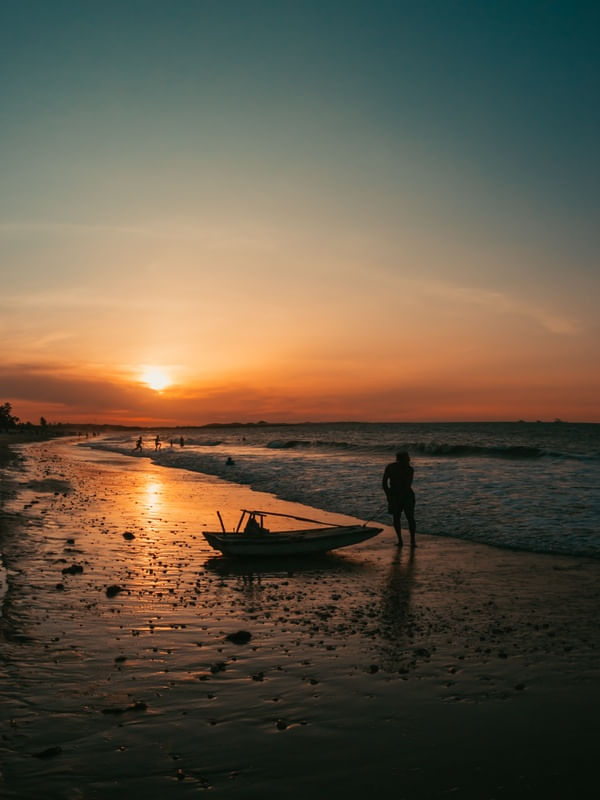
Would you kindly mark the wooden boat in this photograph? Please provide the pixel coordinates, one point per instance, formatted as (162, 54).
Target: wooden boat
(256, 540)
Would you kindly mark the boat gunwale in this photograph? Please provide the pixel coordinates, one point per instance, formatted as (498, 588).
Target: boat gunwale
(273, 536)
(292, 543)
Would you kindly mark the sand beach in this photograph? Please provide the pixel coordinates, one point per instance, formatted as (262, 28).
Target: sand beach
(135, 661)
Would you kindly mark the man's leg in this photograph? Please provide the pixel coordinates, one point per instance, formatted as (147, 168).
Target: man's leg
(398, 526)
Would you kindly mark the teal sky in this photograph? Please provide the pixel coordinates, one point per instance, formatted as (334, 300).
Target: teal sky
(394, 161)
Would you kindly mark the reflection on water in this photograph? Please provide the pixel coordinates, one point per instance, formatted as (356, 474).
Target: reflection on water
(396, 620)
(256, 568)
(292, 585)
(153, 495)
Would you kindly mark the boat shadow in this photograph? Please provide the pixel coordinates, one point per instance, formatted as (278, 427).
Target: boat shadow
(282, 566)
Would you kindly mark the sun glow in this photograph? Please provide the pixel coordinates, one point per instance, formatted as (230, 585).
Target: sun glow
(156, 378)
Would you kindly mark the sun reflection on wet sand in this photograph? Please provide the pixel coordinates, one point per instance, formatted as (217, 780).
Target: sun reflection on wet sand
(153, 493)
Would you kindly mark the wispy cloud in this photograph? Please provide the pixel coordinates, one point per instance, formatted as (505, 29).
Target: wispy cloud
(503, 303)
(71, 298)
(255, 237)
(29, 227)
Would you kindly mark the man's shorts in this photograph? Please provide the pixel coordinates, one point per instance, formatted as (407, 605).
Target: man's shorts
(397, 503)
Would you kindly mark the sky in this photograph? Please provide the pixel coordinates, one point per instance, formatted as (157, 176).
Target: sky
(221, 210)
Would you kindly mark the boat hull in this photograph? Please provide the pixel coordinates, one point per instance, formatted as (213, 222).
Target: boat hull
(290, 543)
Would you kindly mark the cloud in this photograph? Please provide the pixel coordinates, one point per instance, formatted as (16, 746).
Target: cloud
(230, 237)
(41, 383)
(61, 391)
(73, 298)
(503, 303)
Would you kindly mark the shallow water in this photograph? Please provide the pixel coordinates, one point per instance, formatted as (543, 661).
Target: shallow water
(531, 486)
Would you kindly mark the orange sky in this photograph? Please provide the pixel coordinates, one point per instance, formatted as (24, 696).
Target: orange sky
(297, 221)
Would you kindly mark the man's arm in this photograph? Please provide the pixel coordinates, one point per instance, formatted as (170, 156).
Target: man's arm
(384, 482)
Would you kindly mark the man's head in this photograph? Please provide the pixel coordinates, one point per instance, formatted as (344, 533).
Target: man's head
(403, 458)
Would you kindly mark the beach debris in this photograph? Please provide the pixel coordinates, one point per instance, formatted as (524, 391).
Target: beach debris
(220, 666)
(241, 637)
(74, 569)
(60, 587)
(113, 590)
(422, 652)
(281, 724)
(50, 752)
(139, 706)
(120, 659)
(128, 535)
(258, 676)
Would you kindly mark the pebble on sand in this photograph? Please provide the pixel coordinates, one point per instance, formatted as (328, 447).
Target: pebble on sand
(74, 569)
(139, 706)
(241, 637)
(50, 752)
(113, 590)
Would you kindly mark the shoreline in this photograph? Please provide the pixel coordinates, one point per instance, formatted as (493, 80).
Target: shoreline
(214, 463)
(459, 670)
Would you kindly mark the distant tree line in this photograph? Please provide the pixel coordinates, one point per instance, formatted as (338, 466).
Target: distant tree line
(7, 420)
(11, 423)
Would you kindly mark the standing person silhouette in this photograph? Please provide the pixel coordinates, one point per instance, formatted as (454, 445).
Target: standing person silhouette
(397, 485)
(157, 442)
(138, 445)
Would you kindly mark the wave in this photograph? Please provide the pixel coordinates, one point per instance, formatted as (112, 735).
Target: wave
(428, 448)
(281, 444)
(506, 451)
(289, 444)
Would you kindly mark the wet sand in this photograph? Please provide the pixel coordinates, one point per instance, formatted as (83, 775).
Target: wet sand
(458, 670)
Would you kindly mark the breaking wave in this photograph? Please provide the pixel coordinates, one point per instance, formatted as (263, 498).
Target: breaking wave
(423, 448)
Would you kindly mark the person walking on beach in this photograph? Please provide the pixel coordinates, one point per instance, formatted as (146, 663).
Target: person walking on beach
(397, 485)
(157, 442)
(138, 445)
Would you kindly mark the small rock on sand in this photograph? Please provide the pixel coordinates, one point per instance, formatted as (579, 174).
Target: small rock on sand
(74, 569)
(113, 590)
(139, 706)
(241, 637)
(50, 752)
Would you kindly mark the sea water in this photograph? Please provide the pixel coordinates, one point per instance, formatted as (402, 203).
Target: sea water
(532, 486)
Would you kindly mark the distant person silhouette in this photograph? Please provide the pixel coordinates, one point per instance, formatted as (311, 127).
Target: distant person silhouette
(138, 445)
(157, 442)
(397, 485)
(181, 441)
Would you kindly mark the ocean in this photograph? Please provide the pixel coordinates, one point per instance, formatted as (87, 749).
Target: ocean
(529, 486)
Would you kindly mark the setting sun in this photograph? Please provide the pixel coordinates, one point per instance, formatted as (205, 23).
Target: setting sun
(156, 378)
